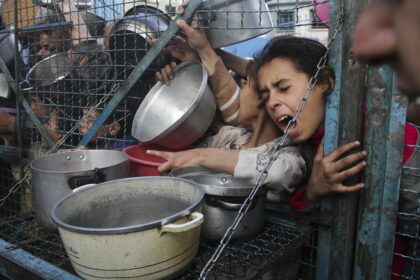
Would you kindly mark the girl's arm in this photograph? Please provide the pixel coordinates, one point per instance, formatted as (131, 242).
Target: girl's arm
(212, 158)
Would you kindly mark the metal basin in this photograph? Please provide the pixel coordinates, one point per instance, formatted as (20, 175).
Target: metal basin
(235, 21)
(177, 115)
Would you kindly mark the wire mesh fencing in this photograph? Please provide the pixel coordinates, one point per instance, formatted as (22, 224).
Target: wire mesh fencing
(68, 58)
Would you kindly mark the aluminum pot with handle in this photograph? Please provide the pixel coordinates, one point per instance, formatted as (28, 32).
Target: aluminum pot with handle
(224, 197)
(54, 176)
(133, 228)
(234, 21)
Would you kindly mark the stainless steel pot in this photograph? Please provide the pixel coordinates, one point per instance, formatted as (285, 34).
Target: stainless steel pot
(132, 35)
(177, 115)
(136, 228)
(224, 197)
(54, 74)
(234, 21)
(56, 175)
(8, 51)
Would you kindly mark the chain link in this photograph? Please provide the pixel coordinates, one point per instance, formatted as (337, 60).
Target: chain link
(14, 188)
(278, 146)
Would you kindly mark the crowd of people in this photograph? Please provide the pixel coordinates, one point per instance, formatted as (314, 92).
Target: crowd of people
(260, 109)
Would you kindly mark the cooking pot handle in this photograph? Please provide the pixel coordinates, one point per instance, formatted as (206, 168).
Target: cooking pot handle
(197, 219)
(212, 201)
(98, 176)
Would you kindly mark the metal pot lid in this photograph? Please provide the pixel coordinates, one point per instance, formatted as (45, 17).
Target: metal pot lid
(216, 183)
(165, 107)
(78, 161)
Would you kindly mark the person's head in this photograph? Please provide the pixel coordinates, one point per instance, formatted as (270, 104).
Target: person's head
(283, 70)
(50, 42)
(249, 101)
(388, 31)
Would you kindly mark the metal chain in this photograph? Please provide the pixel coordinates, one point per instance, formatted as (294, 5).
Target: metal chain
(14, 188)
(278, 146)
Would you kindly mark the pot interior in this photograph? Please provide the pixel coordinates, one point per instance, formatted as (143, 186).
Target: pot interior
(127, 204)
(78, 161)
(166, 106)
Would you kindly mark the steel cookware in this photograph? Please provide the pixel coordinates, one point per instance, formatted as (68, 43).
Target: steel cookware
(54, 74)
(176, 115)
(234, 21)
(8, 51)
(224, 197)
(56, 175)
(134, 228)
(132, 35)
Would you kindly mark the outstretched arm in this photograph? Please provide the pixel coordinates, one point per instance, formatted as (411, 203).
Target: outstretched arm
(205, 157)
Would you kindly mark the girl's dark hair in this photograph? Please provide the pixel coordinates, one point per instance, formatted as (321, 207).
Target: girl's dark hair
(304, 53)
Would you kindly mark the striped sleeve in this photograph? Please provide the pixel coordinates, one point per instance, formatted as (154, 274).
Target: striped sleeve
(226, 92)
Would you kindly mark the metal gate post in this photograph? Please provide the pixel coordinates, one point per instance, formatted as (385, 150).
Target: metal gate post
(385, 118)
(343, 124)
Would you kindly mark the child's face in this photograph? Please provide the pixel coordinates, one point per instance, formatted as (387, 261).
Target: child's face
(283, 86)
(248, 100)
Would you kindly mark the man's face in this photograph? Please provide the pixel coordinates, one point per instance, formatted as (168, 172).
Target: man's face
(388, 31)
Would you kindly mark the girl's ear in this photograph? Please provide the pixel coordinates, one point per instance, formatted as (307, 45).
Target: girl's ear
(113, 129)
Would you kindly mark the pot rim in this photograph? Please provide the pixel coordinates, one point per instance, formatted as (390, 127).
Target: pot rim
(34, 163)
(237, 188)
(33, 82)
(127, 229)
(186, 115)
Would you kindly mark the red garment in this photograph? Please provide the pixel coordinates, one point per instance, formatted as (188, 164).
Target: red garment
(410, 140)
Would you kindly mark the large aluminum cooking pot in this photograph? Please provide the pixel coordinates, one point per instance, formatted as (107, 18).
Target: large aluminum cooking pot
(224, 197)
(234, 21)
(135, 228)
(177, 115)
(56, 175)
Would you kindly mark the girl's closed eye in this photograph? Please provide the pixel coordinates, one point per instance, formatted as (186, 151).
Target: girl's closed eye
(284, 88)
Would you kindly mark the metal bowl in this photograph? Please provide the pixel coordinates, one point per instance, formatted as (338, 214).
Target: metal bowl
(177, 115)
(235, 21)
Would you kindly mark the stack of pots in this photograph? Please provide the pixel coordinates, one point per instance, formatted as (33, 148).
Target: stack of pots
(224, 197)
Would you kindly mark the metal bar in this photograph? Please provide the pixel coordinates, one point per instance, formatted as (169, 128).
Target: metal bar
(18, 125)
(16, 263)
(342, 125)
(25, 103)
(138, 72)
(46, 26)
(385, 120)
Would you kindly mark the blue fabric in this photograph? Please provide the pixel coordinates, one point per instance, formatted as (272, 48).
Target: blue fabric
(247, 49)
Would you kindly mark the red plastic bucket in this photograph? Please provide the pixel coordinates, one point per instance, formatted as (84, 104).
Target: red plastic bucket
(142, 164)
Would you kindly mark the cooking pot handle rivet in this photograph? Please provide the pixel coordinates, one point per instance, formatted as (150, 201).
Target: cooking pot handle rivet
(68, 157)
(224, 179)
(81, 157)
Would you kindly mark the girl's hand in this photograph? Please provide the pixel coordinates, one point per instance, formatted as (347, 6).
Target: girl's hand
(196, 37)
(166, 74)
(329, 172)
(177, 159)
